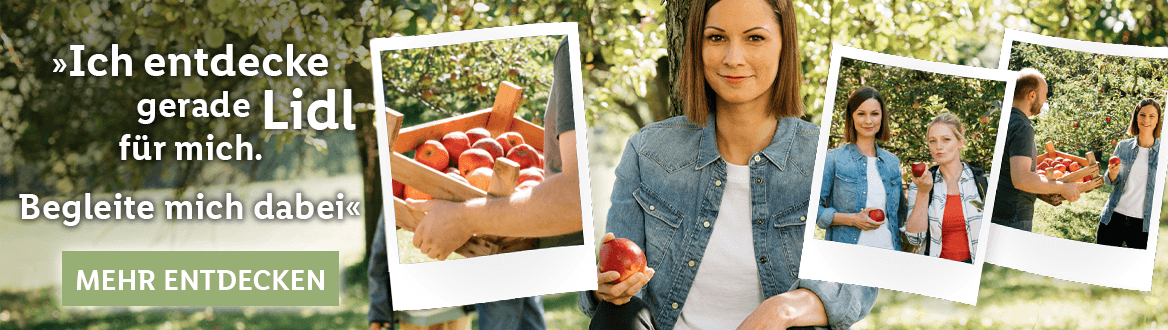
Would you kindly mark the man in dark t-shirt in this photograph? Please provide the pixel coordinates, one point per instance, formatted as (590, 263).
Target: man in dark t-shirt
(1018, 184)
(550, 211)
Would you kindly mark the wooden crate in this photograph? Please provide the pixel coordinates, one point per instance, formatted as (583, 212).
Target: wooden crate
(497, 119)
(1089, 167)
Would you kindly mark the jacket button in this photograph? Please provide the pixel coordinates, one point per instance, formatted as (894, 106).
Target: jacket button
(760, 222)
(762, 260)
(803, 218)
(718, 183)
(674, 305)
(651, 207)
(758, 181)
(706, 224)
(757, 158)
(692, 263)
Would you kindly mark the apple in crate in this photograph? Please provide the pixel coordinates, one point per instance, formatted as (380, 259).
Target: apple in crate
(524, 155)
(456, 143)
(623, 256)
(431, 153)
(480, 178)
(530, 174)
(477, 133)
(512, 138)
(475, 158)
(490, 146)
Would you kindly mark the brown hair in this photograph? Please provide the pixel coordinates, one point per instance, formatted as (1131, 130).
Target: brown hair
(697, 96)
(1027, 82)
(858, 97)
(1134, 127)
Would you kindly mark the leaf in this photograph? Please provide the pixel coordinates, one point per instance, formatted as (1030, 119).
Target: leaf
(214, 37)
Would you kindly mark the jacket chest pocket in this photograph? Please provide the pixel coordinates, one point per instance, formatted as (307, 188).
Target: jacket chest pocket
(789, 226)
(845, 192)
(661, 224)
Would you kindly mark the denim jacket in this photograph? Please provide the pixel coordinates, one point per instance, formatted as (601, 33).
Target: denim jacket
(668, 190)
(845, 189)
(1127, 150)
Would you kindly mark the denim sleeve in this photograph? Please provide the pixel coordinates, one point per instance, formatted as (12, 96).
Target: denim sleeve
(625, 217)
(380, 306)
(826, 209)
(845, 304)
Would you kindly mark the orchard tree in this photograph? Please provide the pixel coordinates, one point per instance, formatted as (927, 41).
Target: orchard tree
(1092, 97)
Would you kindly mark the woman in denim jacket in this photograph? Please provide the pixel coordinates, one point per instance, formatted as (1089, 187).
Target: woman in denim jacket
(718, 199)
(1128, 214)
(848, 195)
(948, 207)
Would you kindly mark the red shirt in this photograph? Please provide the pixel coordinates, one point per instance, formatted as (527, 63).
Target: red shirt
(954, 239)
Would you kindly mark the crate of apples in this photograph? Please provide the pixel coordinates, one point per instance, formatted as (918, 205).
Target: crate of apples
(489, 152)
(1059, 166)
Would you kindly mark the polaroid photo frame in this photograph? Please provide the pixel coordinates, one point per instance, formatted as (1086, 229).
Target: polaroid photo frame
(492, 277)
(896, 270)
(1071, 260)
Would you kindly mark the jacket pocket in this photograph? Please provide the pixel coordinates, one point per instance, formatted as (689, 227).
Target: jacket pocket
(661, 225)
(845, 193)
(790, 224)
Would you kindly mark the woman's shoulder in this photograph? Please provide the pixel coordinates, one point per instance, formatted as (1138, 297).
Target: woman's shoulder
(886, 155)
(670, 132)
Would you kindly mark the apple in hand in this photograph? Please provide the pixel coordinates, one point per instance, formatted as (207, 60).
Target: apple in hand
(623, 256)
(918, 169)
(431, 153)
(876, 215)
(1114, 160)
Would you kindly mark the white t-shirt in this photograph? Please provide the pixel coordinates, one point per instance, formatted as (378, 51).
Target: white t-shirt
(1131, 203)
(726, 288)
(877, 198)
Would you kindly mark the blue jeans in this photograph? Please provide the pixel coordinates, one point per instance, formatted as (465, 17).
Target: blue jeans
(519, 314)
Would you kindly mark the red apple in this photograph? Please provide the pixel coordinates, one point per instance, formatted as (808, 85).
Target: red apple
(524, 155)
(475, 158)
(454, 170)
(919, 168)
(623, 256)
(480, 178)
(490, 146)
(1107, 119)
(1114, 160)
(1060, 167)
(514, 139)
(876, 215)
(456, 143)
(415, 194)
(530, 174)
(506, 145)
(477, 133)
(431, 153)
(399, 189)
(1074, 167)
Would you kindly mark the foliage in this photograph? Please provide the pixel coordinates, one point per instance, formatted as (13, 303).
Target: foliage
(913, 98)
(1093, 96)
(425, 83)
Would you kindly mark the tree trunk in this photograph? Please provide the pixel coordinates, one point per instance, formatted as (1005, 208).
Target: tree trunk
(676, 12)
(360, 81)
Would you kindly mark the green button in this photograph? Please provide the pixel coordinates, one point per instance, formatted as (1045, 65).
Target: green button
(200, 278)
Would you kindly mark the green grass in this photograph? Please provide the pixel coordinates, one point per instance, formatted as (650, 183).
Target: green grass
(1076, 221)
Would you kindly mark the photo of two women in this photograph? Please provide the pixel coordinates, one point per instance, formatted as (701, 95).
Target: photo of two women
(908, 162)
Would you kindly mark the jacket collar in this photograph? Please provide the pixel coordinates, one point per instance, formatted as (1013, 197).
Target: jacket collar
(855, 154)
(1155, 145)
(777, 152)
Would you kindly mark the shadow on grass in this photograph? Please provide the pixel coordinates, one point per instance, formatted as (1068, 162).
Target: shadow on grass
(1076, 221)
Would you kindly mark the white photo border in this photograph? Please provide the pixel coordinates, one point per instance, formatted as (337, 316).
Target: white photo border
(1065, 259)
(496, 277)
(908, 272)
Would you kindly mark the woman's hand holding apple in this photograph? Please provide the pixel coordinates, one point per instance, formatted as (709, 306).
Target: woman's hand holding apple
(619, 293)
